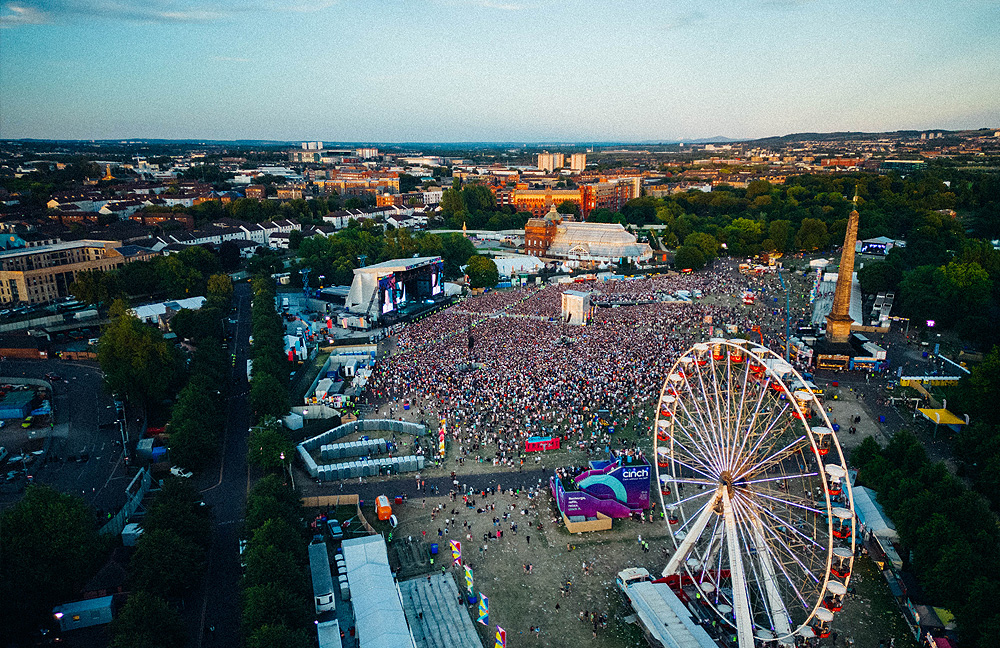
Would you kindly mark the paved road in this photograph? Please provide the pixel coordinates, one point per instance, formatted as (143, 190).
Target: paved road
(84, 423)
(224, 489)
(407, 484)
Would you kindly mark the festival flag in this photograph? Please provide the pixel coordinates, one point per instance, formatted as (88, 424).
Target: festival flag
(456, 553)
(501, 638)
(484, 609)
(468, 579)
(442, 433)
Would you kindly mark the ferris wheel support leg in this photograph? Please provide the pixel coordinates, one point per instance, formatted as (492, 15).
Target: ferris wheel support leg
(677, 560)
(779, 614)
(741, 596)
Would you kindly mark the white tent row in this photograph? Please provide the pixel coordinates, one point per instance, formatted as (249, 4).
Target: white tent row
(375, 597)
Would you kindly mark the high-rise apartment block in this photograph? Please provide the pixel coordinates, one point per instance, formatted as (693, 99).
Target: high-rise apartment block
(551, 161)
(578, 162)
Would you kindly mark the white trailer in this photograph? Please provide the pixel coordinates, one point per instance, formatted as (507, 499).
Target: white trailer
(665, 620)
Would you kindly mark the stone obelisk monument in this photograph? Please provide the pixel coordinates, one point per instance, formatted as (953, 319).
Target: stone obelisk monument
(838, 322)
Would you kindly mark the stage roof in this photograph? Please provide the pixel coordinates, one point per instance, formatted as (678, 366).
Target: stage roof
(397, 265)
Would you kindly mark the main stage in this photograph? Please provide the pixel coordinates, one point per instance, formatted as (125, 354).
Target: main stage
(392, 291)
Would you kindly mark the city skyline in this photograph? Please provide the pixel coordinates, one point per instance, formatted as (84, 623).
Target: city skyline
(477, 70)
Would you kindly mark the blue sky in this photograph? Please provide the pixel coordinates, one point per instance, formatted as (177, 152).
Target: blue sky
(489, 70)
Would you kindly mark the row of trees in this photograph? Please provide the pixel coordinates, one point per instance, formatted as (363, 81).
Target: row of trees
(185, 274)
(137, 362)
(168, 563)
(199, 411)
(948, 530)
(956, 287)
(275, 589)
(269, 374)
(335, 257)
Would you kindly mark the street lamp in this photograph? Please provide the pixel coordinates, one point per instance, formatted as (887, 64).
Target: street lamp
(290, 475)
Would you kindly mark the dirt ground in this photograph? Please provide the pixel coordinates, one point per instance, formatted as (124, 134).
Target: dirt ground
(520, 600)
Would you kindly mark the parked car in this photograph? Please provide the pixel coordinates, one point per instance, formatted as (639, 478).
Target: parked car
(177, 471)
(333, 525)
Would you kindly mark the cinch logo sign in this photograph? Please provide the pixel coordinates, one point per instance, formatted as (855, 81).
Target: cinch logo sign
(635, 473)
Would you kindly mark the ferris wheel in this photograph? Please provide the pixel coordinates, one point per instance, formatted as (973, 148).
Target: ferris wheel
(754, 489)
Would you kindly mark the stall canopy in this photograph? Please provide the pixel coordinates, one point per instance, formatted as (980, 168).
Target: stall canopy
(870, 514)
(941, 416)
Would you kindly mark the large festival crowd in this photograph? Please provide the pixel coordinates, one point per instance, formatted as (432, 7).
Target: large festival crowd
(528, 374)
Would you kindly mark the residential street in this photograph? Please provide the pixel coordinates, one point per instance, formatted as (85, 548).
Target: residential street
(217, 602)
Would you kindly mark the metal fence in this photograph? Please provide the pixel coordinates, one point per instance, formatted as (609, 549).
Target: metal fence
(136, 491)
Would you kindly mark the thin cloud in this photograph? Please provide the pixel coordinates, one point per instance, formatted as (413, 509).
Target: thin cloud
(498, 5)
(15, 15)
(37, 12)
(231, 59)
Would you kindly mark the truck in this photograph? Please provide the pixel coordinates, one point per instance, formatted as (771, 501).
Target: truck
(665, 620)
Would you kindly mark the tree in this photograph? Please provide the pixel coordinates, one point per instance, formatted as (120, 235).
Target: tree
(165, 563)
(135, 359)
(178, 508)
(278, 636)
(812, 235)
(194, 423)
(281, 535)
(457, 250)
(779, 232)
(478, 198)
(569, 207)
(482, 272)
(50, 548)
(269, 446)
(268, 564)
(229, 255)
(270, 499)
(220, 289)
(689, 256)
(270, 604)
(147, 620)
(879, 276)
(451, 201)
(268, 397)
(198, 324)
(295, 238)
(706, 243)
